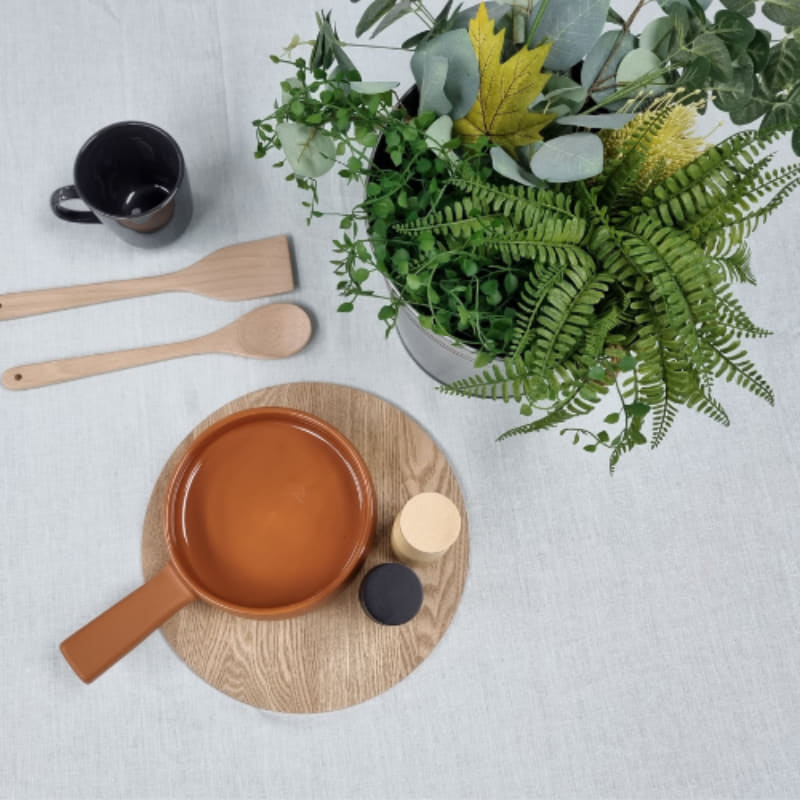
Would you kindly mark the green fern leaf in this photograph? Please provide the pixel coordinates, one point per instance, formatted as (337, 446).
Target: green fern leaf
(728, 360)
(703, 402)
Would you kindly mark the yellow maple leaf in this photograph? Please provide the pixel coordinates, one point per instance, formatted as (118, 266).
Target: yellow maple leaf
(507, 89)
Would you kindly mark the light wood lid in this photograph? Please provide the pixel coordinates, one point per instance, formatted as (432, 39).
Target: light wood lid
(426, 527)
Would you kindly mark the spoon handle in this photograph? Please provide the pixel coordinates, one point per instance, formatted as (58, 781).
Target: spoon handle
(30, 376)
(40, 301)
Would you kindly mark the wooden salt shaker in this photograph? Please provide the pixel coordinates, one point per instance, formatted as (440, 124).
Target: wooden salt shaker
(426, 527)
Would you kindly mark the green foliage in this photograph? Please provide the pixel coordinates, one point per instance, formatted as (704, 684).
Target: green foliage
(613, 291)
(643, 303)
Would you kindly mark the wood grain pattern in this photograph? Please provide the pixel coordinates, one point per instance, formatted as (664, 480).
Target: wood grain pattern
(244, 271)
(277, 330)
(335, 656)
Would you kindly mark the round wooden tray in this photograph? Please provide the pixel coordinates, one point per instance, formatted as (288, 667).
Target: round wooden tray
(335, 656)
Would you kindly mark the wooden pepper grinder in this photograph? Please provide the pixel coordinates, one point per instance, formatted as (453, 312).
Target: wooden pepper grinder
(426, 527)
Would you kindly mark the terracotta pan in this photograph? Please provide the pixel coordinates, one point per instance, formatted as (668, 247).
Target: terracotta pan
(267, 515)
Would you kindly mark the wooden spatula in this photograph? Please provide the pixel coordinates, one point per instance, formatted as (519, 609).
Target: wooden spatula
(277, 330)
(238, 272)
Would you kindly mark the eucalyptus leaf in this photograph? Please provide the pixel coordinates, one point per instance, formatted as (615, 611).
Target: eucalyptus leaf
(438, 133)
(796, 141)
(605, 55)
(458, 87)
(782, 116)
(400, 10)
(614, 18)
(657, 36)
(685, 3)
(695, 76)
(373, 87)
(784, 12)
(346, 66)
(681, 21)
(712, 47)
(745, 7)
(758, 49)
(744, 115)
(494, 8)
(374, 11)
(572, 28)
(560, 109)
(310, 151)
(783, 65)
(564, 90)
(508, 167)
(637, 64)
(572, 157)
(431, 84)
(599, 121)
(735, 30)
(738, 91)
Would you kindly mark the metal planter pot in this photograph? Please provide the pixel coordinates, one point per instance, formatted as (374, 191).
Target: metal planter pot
(439, 356)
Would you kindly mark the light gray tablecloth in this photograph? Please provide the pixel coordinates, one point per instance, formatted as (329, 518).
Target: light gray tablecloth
(635, 636)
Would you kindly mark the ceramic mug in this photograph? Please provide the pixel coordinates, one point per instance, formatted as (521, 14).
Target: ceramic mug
(267, 515)
(132, 177)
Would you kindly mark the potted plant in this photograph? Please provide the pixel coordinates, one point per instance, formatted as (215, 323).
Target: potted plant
(541, 200)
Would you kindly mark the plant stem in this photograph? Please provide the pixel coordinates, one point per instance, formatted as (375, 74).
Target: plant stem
(536, 21)
(623, 30)
(371, 46)
(423, 12)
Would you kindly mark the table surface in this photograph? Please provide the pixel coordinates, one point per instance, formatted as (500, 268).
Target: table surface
(634, 636)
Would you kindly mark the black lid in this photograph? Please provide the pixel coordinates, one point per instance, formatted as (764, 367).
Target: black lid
(391, 594)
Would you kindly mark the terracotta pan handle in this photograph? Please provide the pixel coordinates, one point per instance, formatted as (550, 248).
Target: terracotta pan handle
(103, 641)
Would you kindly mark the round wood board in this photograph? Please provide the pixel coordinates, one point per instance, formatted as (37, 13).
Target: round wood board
(334, 656)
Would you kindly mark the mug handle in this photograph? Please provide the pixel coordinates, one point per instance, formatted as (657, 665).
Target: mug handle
(69, 214)
(102, 642)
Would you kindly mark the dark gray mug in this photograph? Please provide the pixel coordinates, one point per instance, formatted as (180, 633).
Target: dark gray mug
(132, 177)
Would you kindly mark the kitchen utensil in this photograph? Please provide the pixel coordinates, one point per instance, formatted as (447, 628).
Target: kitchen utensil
(132, 178)
(267, 515)
(237, 272)
(276, 330)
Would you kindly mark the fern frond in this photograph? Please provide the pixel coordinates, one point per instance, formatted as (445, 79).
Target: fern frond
(703, 402)
(677, 281)
(541, 279)
(734, 259)
(663, 375)
(600, 329)
(724, 223)
(582, 399)
(728, 360)
(565, 316)
(689, 190)
(731, 315)
(522, 206)
(515, 247)
(459, 219)
(512, 379)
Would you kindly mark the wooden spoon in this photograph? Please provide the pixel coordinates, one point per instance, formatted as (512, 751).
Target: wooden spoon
(237, 272)
(272, 331)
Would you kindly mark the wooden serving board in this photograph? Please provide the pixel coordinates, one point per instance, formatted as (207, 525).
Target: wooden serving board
(335, 656)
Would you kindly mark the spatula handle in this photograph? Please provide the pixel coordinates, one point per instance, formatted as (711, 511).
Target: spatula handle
(40, 301)
(30, 376)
